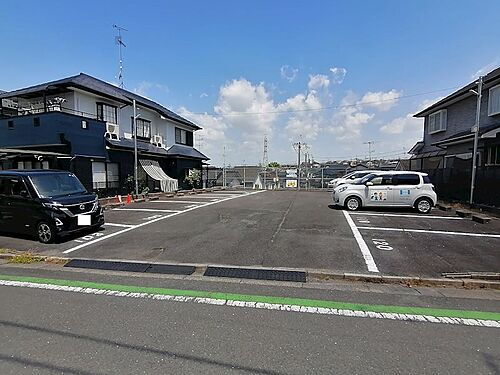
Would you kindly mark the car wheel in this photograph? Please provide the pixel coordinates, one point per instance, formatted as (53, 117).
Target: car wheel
(45, 232)
(423, 205)
(352, 203)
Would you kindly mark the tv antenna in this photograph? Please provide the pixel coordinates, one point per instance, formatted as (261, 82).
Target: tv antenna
(119, 42)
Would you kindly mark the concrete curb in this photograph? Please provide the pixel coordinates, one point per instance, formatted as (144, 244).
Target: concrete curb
(312, 275)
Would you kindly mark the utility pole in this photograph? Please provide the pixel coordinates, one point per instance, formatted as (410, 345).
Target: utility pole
(265, 161)
(322, 178)
(306, 162)
(479, 94)
(298, 146)
(244, 175)
(135, 149)
(369, 143)
(224, 168)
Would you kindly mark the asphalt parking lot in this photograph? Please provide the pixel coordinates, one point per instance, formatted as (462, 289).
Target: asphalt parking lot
(284, 229)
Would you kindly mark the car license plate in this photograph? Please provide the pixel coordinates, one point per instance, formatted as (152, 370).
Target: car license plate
(84, 219)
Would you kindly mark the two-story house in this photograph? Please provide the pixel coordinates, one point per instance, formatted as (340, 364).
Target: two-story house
(447, 146)
(85, 125)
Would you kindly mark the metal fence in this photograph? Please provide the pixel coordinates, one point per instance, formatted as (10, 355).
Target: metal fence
(454, 184)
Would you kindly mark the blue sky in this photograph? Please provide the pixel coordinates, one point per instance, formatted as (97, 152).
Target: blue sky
(210, 60)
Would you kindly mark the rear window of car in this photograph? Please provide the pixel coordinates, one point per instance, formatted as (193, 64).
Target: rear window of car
(427, 180)
(406, 179)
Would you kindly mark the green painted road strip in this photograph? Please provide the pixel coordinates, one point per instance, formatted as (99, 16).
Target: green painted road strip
(426, 314)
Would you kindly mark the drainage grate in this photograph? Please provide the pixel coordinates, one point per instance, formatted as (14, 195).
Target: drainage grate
(171, 269)
(247, 273)
(107, 265)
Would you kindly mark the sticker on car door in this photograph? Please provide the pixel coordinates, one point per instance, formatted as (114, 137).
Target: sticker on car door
(378, 196)
(404, 194)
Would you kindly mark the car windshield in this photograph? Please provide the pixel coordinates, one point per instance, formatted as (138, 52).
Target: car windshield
(368, 177)
(56, 184)
(348, 175)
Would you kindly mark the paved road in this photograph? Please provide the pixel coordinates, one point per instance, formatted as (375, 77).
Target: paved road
(285, 229)
(57, 331)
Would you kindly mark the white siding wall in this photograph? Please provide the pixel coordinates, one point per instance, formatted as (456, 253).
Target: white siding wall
(86, 103)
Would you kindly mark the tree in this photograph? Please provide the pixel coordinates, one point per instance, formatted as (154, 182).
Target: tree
(193, 178)
(274, 164)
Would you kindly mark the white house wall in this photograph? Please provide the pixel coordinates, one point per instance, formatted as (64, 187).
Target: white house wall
(86, 104)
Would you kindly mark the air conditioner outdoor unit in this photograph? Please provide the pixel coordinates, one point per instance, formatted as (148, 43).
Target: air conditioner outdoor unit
(157, 140)
(112, 131)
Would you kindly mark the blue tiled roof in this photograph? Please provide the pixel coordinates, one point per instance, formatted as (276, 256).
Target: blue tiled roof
(189, 152)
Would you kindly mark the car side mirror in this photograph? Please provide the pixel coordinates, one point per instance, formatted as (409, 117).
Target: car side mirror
(369, 183)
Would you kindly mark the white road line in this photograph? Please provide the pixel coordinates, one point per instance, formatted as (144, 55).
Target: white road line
(433, 232)
(403, 215)
(120, 225)
(259, 305)
(365, 251)
(145, 210)
(153, 221)
(211, 197)
(175, 201)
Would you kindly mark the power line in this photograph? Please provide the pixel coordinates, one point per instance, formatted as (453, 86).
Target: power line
(323, 108)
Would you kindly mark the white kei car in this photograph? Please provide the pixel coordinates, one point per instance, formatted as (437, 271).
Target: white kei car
(348, 178)
(388, 189)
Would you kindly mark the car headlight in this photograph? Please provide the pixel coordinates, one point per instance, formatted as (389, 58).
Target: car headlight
(53, 205)
(341, 189)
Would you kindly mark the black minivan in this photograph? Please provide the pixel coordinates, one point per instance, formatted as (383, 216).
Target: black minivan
(46, 203)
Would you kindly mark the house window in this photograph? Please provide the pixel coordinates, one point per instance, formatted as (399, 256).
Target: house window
(98, 175)
(183, 137)
(84, 124)
(437, 122)
(105, 175)
(113, 175)
(36, 121)
(143, 128)
(10, 124)
(493, 155)
(106, 112)
(494, 101)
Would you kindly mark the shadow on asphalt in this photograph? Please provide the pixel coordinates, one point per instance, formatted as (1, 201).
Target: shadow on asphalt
(121, 345)
(379, 209)
(58, 240)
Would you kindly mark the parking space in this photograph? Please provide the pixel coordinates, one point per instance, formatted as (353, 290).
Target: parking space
(120, 220)
(284, 229)
(402, 243)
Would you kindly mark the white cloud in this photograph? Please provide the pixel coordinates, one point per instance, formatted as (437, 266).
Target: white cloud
(318, 81)
(288, 73)
(303, 122)
(248, 108)
(349, 119)
(486, 69)
(145, 87)
(203, 95)
(406, 124)
(382, 101)
(338, 74)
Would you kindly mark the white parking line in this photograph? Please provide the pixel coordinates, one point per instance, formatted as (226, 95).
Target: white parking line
(212, 197)
(433, 232)
(365, 251)
(404, 215)
(154, 221)
(120, 225)
(175, 201)
(144, 209)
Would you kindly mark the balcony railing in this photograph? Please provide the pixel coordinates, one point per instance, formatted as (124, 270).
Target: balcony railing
(50, 108)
